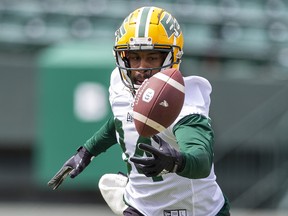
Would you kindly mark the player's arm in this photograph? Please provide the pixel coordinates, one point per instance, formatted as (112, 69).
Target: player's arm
(103, 139)
(194, 160)
(195, 139)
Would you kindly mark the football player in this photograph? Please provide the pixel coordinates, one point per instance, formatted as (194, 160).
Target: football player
(171, 173)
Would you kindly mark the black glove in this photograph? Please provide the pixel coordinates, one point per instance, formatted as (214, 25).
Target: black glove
(72, 167)
(164, 160)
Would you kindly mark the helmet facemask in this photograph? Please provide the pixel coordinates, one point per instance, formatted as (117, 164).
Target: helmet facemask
(124, 66)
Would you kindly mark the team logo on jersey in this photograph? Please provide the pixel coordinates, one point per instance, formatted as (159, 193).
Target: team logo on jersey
(175, 212)
(129, 117)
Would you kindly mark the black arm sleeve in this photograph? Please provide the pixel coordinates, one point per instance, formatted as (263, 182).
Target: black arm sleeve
(195, 139)
(103, 139)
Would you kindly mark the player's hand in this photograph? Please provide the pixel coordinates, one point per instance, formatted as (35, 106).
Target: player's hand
(72, 167)
(164, 160)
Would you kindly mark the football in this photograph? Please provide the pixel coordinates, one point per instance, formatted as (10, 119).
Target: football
(158, 102)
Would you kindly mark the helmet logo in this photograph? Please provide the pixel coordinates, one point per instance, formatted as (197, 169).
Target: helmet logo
(121, 31)
(171, 25)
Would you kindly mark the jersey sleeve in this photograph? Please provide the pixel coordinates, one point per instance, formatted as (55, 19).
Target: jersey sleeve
(195, 136)
(103, 139)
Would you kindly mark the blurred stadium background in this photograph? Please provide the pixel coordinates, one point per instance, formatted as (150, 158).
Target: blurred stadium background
(55, 60)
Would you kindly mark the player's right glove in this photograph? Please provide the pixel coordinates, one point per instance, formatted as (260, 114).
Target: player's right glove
(165, 159)
(72, 167)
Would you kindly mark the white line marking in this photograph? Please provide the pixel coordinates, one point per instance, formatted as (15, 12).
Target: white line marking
(147, 121)
(170, 81)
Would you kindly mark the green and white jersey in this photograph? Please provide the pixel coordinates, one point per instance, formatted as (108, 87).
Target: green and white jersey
(177, 194)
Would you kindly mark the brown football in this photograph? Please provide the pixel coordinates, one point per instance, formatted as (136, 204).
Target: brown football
(158, 102)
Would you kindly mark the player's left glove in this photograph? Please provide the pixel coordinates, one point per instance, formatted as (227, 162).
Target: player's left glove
(164, 160)
(72, 167)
